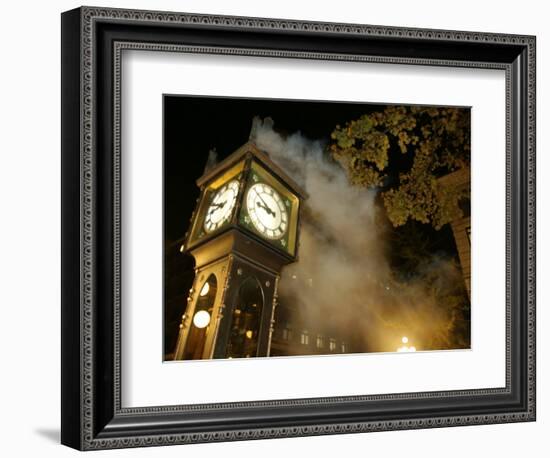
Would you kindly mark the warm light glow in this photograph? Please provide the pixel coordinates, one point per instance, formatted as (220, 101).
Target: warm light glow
(201, 319)
(182, 248)
(205, 289)
(249, 334)
(404, 348)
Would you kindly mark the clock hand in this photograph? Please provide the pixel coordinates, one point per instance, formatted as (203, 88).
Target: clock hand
(220, 205)
(266, 207)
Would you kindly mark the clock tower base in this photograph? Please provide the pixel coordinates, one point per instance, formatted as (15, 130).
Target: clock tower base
(235, 289)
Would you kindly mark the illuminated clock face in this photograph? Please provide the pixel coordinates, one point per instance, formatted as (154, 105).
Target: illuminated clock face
(221, 206)
(267, 211)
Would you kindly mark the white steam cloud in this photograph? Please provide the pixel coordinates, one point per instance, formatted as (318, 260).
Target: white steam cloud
(342, 282)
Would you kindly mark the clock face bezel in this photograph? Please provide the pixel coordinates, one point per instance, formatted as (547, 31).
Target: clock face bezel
(208, 194)
(216, 201)
(259, 174)
(267, 211)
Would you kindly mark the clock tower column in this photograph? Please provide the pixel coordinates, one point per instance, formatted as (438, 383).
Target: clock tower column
(244, 231)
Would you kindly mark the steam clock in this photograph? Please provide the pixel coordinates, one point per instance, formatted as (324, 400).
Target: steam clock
(243, 231)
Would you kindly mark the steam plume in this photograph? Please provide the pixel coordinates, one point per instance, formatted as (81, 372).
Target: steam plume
(343, 280)
(211, 161)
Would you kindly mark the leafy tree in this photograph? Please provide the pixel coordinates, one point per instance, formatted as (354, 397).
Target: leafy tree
(403, 151)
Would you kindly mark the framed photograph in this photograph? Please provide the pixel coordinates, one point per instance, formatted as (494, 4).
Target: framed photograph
(276, 228)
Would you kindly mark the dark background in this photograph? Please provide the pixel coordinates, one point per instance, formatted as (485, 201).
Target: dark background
(193, 125)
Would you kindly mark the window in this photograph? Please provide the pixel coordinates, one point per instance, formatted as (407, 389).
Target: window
(286, 334)
(332, 344)
(320, 341)
(245, 326)
(304, 338)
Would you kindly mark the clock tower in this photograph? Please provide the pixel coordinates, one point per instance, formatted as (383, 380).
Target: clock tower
(244, 230)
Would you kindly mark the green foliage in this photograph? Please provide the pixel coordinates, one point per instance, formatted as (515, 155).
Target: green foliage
(435, 141)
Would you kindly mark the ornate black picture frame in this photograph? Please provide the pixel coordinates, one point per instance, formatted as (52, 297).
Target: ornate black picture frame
(92, 42)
